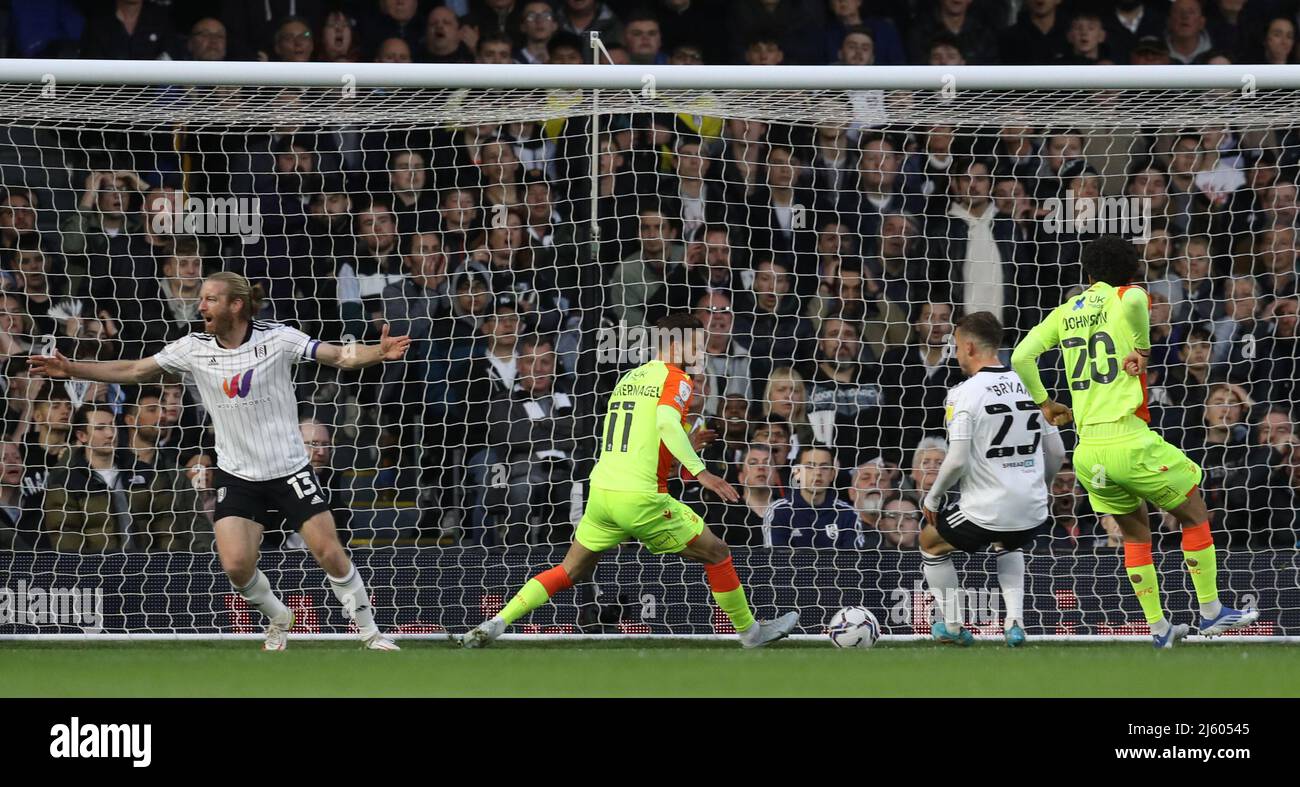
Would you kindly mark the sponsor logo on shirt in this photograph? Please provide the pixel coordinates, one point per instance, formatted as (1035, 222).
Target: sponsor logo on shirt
(239, 385)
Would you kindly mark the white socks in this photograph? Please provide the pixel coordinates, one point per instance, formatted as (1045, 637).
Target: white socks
(352, 594)
(941, 576)
(1211, 609)
(1011, 578)
(1160, 627)
(259, 595)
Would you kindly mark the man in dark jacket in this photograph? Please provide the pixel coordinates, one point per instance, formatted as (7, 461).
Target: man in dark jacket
(534, 442)
(813, 515)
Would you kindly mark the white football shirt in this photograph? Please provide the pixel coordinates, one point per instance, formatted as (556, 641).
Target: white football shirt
(249, 394)
(1003, 487)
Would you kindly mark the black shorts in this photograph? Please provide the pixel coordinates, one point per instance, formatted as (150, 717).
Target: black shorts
(967, 536)
(297, 497)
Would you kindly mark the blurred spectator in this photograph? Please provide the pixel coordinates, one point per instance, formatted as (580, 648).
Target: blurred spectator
(252, 24)
(900, 271)
(1278, 45)
(1217, 440)
(873, 482)
(17, 523)
(494, 48)
(319, 441)
(643, 39)
(17, 216)
(293, 42)
(775, 434)
(1237, 320)
(813, 515)
(944, 50)
(1188, 382)
(86, 503)
(879, 189)
(1185, 34)
(1072, 527)
(692, 21)
(771, 328)
(924, 468)
(538, 26)
(533, 431)
(206, 41)
(1087, 40)
(764, 49)
(415, 207)
(726, 364)
(742, 524)
(128, 30)
(389, 19)
(1131, 21)
(795, 26)
(1268, 360)
(925, 366)
(979, 247)
(900, 521)
(651, 279)
(880, 33)
(973, 38)
(393, 50)
(581, 17)
(338, 41)
(196, 479)
(161, 510)
(847, 400)
(443, 39)
(1039, 35)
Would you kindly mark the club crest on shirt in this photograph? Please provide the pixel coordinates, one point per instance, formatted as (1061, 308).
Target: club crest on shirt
(683, 393)
(259, 351)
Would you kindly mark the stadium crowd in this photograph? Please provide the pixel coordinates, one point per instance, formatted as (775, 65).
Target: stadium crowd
(828, 265)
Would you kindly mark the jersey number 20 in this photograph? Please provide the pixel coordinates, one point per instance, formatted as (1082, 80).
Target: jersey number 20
(1100, 347)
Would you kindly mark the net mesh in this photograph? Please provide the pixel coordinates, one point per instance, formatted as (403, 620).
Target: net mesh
(828, 239)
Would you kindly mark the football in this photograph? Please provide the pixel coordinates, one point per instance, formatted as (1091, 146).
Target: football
(853, 627)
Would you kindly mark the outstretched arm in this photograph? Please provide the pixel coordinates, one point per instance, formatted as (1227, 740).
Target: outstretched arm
(950, 472)
(359, 356)
(1025, 362)
(1053, 457)
(57, 367)
(668, 419)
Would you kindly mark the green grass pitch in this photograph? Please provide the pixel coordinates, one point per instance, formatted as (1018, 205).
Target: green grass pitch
(662, 668)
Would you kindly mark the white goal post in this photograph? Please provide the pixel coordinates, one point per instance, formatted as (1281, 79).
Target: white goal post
(525, 223)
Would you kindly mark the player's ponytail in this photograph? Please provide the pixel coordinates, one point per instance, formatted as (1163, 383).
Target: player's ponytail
(239, 288)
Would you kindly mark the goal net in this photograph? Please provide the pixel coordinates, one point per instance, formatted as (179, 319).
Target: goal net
(525, 225)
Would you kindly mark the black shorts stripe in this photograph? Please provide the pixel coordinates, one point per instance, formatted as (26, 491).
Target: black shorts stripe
(955, 528)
